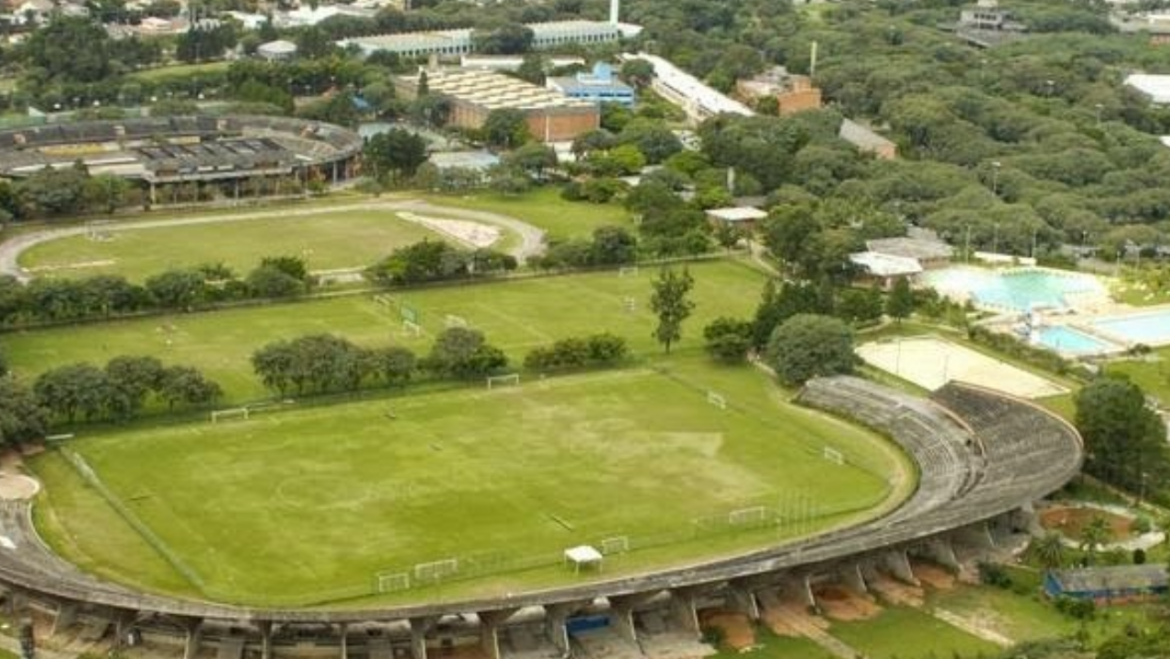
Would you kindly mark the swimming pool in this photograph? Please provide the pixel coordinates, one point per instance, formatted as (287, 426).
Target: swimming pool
(1069, 341)
(1021, 289)
(1148, 328)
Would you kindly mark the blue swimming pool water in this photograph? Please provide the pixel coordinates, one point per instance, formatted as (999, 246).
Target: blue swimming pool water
(1150, 328)
(1020, 290)
(1070, 341)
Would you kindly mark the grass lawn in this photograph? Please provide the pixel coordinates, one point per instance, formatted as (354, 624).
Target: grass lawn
(515, 315)
(908, 633)
(544, 208)
(306, 505)
(180, 70)
(327, 240)
(1152, 376)
(1018, 617)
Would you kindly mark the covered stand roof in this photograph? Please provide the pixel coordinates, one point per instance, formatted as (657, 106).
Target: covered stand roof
(1112, 578)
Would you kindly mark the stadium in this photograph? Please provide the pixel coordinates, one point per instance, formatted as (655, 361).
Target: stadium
(212, 152)
(982, 458)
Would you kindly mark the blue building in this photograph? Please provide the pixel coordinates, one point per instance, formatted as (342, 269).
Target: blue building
(1109, 584)
(597, 86)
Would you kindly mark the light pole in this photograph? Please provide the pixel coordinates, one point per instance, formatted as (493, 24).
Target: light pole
(1034, 234)
(995, 239)
(995, 165)
(1098, 107)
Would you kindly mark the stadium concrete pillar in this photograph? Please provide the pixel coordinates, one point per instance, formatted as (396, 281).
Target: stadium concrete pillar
(489, 630)
(343, 639)
(556, 617)
(335, 172)
(65, 617)
(940, 551)
(153, 194)
(15, 602)
(419, 628)
(682, 604)
(978, 535)
(622, 613)
(806, 592)
(741, 597)
(265, 627)
(194, 638)
(123, 623)
(898, 564)
(851, 575)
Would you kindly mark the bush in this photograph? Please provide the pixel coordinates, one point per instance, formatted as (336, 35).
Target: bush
(994, 575)
(1141, 525)
(1078, 609)
(577, 352)
(1010, 345)
(1139, 556)
(809, 345)
(728, 339)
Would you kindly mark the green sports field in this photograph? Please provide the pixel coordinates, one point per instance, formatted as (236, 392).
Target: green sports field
(306, 505)
(515, 315)
(327, 240)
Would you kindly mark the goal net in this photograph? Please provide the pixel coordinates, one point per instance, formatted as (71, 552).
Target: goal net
(455, 321)
(717, 400)
(510, 379)
(630, 304)
(391, 582)
(227, 415)
(628, 271)
(411, 328)
(754, 516)
(98, 230)
(833, 455)
(384, 301)
(435, 570)
(615, 545)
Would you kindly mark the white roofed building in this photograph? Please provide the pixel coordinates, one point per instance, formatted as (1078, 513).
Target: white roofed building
(1154, 87)
(697, 99)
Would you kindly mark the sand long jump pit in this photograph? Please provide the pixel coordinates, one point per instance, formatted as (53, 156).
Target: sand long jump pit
(931, 362)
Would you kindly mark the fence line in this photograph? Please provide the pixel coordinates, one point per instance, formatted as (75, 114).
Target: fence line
(88, 475)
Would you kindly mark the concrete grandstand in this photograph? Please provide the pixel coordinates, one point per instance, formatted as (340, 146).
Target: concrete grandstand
(205, 150)
(984, 459)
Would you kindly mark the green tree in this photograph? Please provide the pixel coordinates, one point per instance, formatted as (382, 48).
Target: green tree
(1125, 440)
(22, 417)
(613, 246)
(506, 128)
(508, 39)
(669, 302)
(73, 389)
(1049, 550)
(464, 353)
(187, 386)
(810, 345)
(1094, 536)
(395, 151)
(900, 302)
(130, 380)
(396, 365)
(728, 339)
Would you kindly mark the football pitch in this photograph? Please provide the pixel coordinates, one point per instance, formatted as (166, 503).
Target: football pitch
(515, 315)
(309, 506)
(326, 240)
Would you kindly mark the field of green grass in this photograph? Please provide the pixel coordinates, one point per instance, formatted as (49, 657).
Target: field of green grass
(905, 633)
(772, 646)
(180, 70)
(306, 505)
(1152, 375)
(515, 315)
(327, 240)
(544, 208)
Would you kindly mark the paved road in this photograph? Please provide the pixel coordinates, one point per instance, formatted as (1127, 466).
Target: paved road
(531, 238)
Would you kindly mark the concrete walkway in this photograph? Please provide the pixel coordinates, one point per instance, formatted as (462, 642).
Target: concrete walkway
(531, 238)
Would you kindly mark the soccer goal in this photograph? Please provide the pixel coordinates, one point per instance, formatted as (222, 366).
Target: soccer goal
(391, 582)
(628, 271)
(619, 544)
(435, 570)
(630, 304)
(754, 516)
(411, 328)
(509, 379)
(833, 455)
(455, 321)
(98, 230)
(717, 400)
(384, 301)
(229, 414)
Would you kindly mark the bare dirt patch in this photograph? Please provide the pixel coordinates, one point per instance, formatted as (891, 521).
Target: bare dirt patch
(840, 603)
(14, 487)
(736, 629)
(934, 576)
(1071, 522)
(897, 593)
(789, 616)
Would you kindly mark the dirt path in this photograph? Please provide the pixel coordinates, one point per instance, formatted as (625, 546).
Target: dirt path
(531, 238)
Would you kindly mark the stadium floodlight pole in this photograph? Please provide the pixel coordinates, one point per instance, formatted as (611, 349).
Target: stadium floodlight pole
(28, 642)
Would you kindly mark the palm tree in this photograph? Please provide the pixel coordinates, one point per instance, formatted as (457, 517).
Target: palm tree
(1048, 549)
(1096, 532)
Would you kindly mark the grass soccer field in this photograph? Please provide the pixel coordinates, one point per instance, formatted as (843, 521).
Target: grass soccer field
(327, 240)
(306, 506)
(514, 315)
(544, 208)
